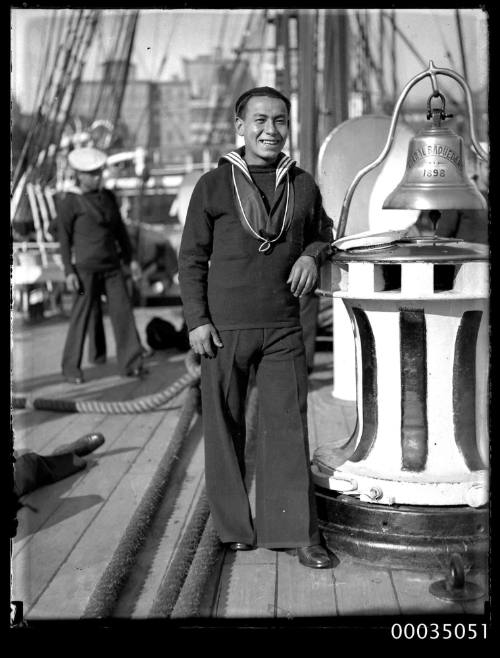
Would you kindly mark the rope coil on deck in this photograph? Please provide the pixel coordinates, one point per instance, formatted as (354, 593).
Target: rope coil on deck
(139, 405)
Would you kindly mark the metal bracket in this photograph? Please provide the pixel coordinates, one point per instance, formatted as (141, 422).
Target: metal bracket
(454, 587)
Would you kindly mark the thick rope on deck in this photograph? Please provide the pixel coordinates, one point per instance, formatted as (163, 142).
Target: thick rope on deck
(105, 596)
(139, 405)
(171, 585)
(206, 563)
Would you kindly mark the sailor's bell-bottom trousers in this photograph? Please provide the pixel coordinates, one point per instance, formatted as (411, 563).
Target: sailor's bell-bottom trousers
(285, 510)
(128, 346)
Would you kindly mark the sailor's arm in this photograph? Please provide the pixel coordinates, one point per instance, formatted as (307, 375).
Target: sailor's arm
(194, 256)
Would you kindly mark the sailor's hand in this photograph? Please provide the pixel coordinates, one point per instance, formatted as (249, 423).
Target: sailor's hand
(201, 339)
(72, 282)
(303, 276)
(135, 270)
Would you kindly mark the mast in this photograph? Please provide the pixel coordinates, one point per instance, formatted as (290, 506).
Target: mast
(335, 71)
(307, 39)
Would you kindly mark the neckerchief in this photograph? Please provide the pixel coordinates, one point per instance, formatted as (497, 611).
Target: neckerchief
(257, 222)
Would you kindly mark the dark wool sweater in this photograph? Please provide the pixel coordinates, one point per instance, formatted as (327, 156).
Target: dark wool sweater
(91, 232)
(223, 277)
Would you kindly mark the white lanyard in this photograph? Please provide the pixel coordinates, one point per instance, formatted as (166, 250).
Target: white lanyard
(266, 244)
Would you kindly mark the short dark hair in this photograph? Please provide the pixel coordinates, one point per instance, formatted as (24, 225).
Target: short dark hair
(241, 103)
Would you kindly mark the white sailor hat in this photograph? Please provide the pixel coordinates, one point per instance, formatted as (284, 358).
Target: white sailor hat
(87, 159)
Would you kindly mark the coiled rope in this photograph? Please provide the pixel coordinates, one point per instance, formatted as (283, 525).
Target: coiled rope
(139, 405)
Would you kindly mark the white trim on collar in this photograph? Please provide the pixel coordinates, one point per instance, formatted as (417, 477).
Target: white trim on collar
(266, 243)
(283, 166)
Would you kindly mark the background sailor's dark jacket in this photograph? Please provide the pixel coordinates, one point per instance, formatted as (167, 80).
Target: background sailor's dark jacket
(91, 231)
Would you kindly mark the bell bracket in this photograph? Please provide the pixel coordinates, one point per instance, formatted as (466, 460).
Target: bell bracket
(437, 113)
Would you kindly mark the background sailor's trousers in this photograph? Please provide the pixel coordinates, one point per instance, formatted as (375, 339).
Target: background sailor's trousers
(285, 509)
(128, 347)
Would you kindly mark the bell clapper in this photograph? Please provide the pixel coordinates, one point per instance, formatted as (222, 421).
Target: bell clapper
(434, 216)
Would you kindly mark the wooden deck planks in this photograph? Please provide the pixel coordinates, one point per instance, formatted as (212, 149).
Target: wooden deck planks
(58, 430)
(65, 509)
(413, 594)
(364, 589)
(36, 429)
(166, 533)
(304, 592)
(48, 499)
(96, 545)
(247, 585)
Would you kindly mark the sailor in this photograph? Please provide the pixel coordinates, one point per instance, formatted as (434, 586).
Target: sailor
(94, 245)
(254, 237)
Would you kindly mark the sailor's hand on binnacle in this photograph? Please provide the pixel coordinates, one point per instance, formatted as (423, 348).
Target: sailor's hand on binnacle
(203, 338)
(303, 276)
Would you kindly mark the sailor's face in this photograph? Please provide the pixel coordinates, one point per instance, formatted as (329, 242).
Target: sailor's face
(264, 126)
(90, 180)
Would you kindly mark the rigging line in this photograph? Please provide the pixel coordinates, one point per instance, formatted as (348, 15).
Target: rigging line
(381, 52)
(80, 62)
(74, 85)
(408, 43)
(239, 51)
(61, 91)
(155, 42)
(118, 106)
(150, 46)
(101, 111)
(392, 19)
(144, 112)
(167, 48)
(359, 82)
(75, 69)
(41, 116)
(60, 84)
(35, 167)
(461, 43)
(49, 41)
(365, 62)
(416, 53)
(371, 61)
(98, 47)
(122, 70)
(263, 41)
(441, 36)
(217, 66)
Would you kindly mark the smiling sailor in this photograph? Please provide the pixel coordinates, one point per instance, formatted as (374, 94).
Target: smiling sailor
(255, 235)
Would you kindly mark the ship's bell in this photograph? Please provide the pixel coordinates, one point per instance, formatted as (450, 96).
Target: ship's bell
(435, 177)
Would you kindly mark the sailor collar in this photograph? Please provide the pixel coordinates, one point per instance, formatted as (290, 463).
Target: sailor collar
(254, 218)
